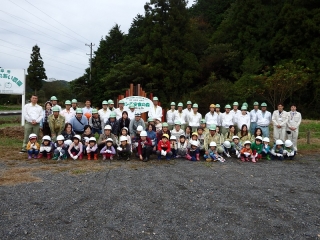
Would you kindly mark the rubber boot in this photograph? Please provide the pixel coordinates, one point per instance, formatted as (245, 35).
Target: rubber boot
(95, 156)
(80, 156)
(253, 159)
(48, 156)
(35, 156)
(188, 157)
(55, 156)
(89, 156)
(40, 155)
(29, 156)
(198, 156)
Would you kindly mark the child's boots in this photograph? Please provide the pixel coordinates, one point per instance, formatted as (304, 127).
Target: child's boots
(55, 156)
(198, 156)
(95, 156)
(89, 156)
(40, 155)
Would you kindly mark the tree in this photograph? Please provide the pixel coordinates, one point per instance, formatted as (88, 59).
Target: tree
(36, 71)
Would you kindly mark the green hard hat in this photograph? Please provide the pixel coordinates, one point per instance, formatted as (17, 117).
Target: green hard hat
(121, 102)
(55, 109)
(244, 108)
(113, 115)
(165, 124)
(180, 104)
(94, 111)
(155, 99)
(255, 104)
(264, 104)
(227, 106)
(131, 105)
(217, 105)
(245, 104)
(104, 102)
(67, 102)
(203, 121)
(173, 104)
(189, 103)
(235, 104)
(150, 119)
(54, 98)
(177, 122)
(212, 127)
(79, 110)
(74, 101)
(195, 105)
(110, 101)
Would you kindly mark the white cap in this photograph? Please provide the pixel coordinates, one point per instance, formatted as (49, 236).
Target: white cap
(173, 138)
(279, 142)
(288, 143)
(139, 128)
(107, 127)
(213, 144)
(123, 138)
(60, 138)
(143, 134)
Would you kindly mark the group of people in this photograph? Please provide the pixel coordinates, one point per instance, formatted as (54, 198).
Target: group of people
(71, 132)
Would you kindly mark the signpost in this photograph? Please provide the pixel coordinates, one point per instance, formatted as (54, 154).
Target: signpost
(13, 81)
(141, 104)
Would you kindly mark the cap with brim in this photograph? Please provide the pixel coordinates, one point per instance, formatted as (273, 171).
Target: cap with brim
(55, 109)
(131, 105)
(113, 115)
(79, 110)
(105, 102)
(235, 104)
(137, 114)
(177, 122)
(244, 108)
(54, 98)
(212, 127)
(212, 105)
(255, 104)
(94, 111)
(263, 105)
(74, 101)
(155, 99)
(189, 103)
(173, 104)
(110, 101)
(217, 105)
(180, 104)
(150, 119)
(165, 124)
(195, 105)
(227, 106)
(165, 136)
(121, 102)
(67, 102)
(203, 121)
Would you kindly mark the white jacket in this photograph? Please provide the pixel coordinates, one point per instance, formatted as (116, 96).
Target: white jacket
(194, 119)
(68, 115)
(263, 118)
(294, 120)
(211, 118)
(226, 119)
(280, 118)
(242, 119)
(180, 116)
(170, 117)
(253, 115)
(155, 113)
(104, 114)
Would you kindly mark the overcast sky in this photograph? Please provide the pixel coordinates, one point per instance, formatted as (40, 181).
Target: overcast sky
(61, 28)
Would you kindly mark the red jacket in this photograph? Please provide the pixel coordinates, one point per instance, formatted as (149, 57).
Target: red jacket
(164, 146)
(147, 142)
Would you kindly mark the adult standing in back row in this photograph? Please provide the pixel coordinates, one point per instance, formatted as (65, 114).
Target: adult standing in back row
(264, 120)
(33, 115)
(156, 112)
(294, 120)
(253, 117)
(279, 120)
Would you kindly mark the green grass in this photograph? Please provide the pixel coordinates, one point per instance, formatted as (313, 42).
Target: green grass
(309, 125)
(10, 107)
(10, 142)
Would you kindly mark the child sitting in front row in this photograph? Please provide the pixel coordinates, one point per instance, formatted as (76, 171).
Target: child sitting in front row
(288, 151)
(266, 148)
(194, 151)
(277, 151)
(212, 153)
(124, 149)
(46, 147)
(92, 149)
(173, 146)
(32, 146)
(246, 153)
(76, 148)
(60, 149)
(236, 146)
(182, 147)
(108, 150)
(164, 147)
(257, 147)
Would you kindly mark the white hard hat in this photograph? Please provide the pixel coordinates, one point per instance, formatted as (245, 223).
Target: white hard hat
(60, 138)
(266, 139)
(194, 143)
(213, 144)
(227, 144)
(173, 138)
(143, 133)
(107, 127)
(247, 142)
(33, 135)
(46, 137)
(109, 140)
(288, 143)
(258, 138)
(125, 128)
(279, 142)
(139, 128)
(78, 137)
(93, 139)
(234, 137)
(123, 138)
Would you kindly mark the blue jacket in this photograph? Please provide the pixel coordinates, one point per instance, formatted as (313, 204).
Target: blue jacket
(76, 125)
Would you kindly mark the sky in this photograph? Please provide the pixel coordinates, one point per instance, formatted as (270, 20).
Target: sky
(61, 28)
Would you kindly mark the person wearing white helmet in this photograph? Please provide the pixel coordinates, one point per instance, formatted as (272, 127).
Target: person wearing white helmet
(193, 151)
(266, 151)
(68, 112)
(105, 135)
(78, 122)
(56, 123)
(226, 146)
(104, 112)
(76, 148)
(33, 146)
(264, 120)
(194, 117)
(226, 119)
(180, 116)
(257, 147)
(288, 151)
(108, 151)
(92, 149)
(279, 120)
(137, 121)
(170, 115)
(156, 111)
(236, 146)
(124, 149)
(136, 138)
(182, 147)
(33, 115)
(46, 147)
(60, 149)
(253, 117)
(277, 150)
(213, 137)
(246, 153)
(173, 146)
(125, 133)
(177, 131)
(144, 147)
(120, 109)
(112, 121)
(212, 154)
(294, 120)
(54, 101)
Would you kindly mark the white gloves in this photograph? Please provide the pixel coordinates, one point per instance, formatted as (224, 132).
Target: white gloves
(291, 153)
(119, 148)
(256, 155)
(237, 152)
(279, 155)
(228, 155)
(247, 154)
(41, 149)
(163, 153)
(136, 144)
(61, 154)
(108, 151)
(75, 157)
(285, 152)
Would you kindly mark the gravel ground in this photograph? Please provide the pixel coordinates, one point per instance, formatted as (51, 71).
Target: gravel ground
(175, 200)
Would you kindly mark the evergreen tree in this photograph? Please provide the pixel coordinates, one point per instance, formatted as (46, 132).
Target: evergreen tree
(36, 71)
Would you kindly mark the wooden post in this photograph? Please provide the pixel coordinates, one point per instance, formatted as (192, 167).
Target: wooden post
(151, 96)
(127, 93)
(131, 89)
(308, 137)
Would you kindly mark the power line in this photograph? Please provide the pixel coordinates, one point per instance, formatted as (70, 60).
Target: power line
(56, 20)
(40, 41)
(43, 53)
(37, 16)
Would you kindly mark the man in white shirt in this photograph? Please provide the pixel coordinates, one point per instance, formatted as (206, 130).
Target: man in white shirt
(74, 104)
(54, 102)
(226, 119)
(294, 120)
(170, 115)
(188, 109)
(33, 115)
(194, 118)
(131, 112)
(242, 119)
(111, 105)
(156, 112)
(180, 116)
(119, 110)
(68, 112)
(87, 108)
(104, 113)
(253, 117)
(235, 111)
(217, 110)
(211, 117)
(279, 120)
(263, 120)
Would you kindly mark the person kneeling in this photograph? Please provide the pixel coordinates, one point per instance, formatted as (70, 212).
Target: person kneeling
(164, 148)
(60, 149)
(212, 154)
(144, 147)
(246, 153)
(194, 151)
(76, 148)
(277, 151)
(32, 146)
(46, 147)
(92, 149)
(124, 149)
(108, 150)
(289, 151)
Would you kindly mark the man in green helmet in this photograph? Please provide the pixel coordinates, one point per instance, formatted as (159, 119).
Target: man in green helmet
(68, 112)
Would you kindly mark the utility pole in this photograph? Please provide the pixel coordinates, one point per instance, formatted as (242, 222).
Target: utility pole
(90, 46)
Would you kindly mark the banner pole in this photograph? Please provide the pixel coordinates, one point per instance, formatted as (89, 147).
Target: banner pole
(23, 99)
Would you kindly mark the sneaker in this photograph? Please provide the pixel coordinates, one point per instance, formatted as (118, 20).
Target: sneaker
(29, 157)
(128, 159)
(268, 157)
(35, 157)
(145, 160)
(23, 150)
(111, 158)
(178, 156)
(104, 158)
